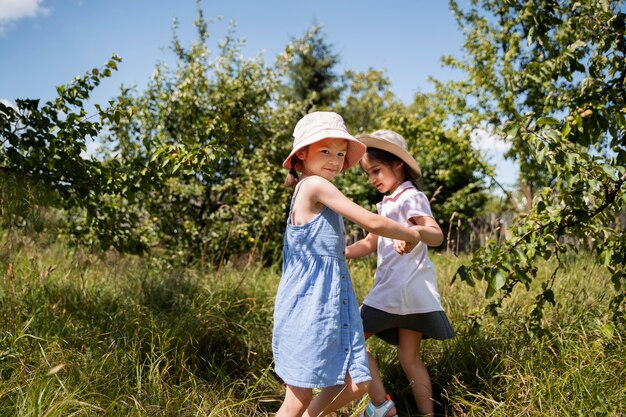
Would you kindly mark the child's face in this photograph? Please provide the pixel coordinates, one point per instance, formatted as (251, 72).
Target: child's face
(324, 158)
(385, 178)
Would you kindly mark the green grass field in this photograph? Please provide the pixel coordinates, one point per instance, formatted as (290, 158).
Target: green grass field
(111, 335)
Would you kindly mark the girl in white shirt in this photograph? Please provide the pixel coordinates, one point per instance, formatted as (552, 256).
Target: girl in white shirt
(404, 306)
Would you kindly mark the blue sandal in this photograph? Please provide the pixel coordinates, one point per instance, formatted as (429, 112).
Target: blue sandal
(381, 411)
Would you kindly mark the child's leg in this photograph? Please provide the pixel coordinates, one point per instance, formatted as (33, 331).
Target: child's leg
(415, 370)
(333, 398)
(376, 390)
(296, 401)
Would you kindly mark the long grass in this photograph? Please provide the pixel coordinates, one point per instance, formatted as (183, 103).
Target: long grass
(86, 334)
(501, 369)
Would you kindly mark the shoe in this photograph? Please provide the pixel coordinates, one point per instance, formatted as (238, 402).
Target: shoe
(381, 411)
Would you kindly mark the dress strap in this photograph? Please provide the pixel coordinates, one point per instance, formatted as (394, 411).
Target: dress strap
(298, 187)
(293, 198)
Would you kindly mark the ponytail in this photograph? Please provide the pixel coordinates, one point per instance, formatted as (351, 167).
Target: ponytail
(292, 178)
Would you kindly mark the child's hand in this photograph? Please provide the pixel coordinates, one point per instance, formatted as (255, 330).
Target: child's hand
(403, 247)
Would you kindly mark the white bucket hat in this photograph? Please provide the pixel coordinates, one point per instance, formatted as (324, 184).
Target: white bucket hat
(322, 125)
(390, 141)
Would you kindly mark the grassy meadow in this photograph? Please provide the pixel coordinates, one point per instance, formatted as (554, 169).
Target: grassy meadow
(86, 334)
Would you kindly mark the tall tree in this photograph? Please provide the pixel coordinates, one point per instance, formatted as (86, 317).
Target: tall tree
(194, 126)
(534, 57)
(549, 76)
(311, 74)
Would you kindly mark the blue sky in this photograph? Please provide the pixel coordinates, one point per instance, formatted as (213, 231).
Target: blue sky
(45, 43)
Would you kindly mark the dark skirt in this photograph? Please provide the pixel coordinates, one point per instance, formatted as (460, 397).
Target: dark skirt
(432, 325)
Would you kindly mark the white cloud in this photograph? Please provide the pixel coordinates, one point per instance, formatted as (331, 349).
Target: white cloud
(13, 10)
(486, 141)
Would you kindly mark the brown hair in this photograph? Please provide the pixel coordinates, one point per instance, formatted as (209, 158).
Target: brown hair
(389, 159)
(292, 177)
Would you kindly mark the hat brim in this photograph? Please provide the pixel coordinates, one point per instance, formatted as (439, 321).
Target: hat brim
(372, 141)
(355, 151)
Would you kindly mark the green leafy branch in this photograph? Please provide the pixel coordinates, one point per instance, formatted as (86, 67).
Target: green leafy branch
(586, 195)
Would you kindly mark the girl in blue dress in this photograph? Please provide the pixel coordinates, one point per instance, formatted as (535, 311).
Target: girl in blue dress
(318, 339)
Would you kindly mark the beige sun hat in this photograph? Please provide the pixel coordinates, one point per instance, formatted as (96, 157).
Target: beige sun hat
(392, 142)
(322, 125)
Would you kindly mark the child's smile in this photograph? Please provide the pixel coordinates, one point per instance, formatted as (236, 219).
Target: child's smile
(324, 158)
(383, 177)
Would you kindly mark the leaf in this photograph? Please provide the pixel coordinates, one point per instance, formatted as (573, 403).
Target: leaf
(461, 272)
(541, 154)
(512, 131)
(576, 45)
(489, 292)
(616, 279)
(156, 154)
(566, 130)
(571, 159)
(521, 255)
(495, 282)
(547, 121)
(605, 256)
(541, 206)
(499, 279)
(553, 135)
(531, 35)
(610, 170)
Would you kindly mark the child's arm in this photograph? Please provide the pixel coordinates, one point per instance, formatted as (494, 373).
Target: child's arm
(362, 247)
(429, 230)
(320, 190)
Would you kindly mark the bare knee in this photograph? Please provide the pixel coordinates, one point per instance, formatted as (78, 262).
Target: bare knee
(296, 401)
(408, 359)
(300, 396)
